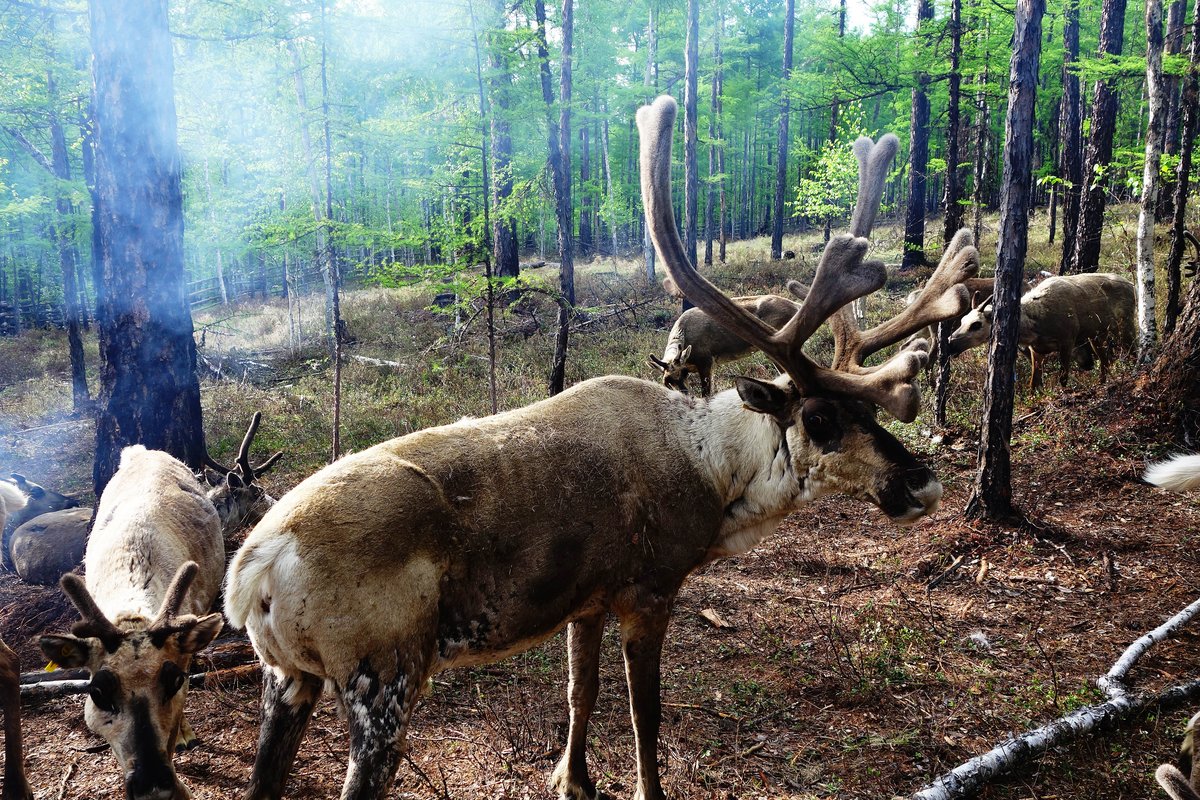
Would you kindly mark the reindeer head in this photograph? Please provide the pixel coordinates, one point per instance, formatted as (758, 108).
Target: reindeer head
(674, 372)
(139, 669)
(40, 500)
(974, 330)
(827, 414)
(238, 500)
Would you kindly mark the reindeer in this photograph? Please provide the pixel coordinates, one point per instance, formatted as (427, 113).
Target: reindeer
(1076, 316)
(22, 500)
(467, 543)
(696, 342)
(1182, 782)
(154, 564)
(1176, 474)
(16, 786)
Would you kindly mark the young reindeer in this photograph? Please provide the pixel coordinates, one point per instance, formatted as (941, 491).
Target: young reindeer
(696, 343)
(470, 542)
(1183, 782)
(155, 561)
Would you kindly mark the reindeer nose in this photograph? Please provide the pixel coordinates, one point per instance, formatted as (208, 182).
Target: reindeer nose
(149, 782)
(909, 497)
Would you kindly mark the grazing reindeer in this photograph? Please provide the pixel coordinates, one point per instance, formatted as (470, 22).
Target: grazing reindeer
(1072, 315)
(154, 564)
(22, 500)
(1183, 782)
(16, 786)
(467, 543)
(696, 342)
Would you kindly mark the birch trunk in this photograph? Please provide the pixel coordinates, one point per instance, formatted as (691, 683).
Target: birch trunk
(1155, 91)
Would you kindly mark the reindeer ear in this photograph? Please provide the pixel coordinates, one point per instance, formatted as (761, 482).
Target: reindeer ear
(234, 481)
(763, 397)
(191, 636)
(685, 355)
(68, 651)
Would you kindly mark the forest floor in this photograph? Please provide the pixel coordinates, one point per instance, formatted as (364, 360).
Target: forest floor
(857, 659)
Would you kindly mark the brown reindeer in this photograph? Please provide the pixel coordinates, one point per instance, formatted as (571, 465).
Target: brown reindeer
(16, 785)
(467, 543)
(696, 343)
(1076, 316)
(22, 500)
(155, 561)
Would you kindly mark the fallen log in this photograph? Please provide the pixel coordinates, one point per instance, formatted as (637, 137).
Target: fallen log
(50, 690)
(1123, 706)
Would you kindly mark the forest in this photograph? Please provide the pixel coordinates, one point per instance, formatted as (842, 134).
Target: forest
(910, 480)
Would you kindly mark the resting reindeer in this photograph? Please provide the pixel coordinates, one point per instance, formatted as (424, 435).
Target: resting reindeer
(154, 564)
(1072, 315)
(470, 542)
(1183, 782)
(22, 500)
(696, 342)
(16, 786)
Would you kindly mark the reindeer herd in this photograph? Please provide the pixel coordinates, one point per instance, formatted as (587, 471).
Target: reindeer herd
(467, 543)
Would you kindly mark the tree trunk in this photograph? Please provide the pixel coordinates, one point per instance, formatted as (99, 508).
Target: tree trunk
(781, 147)
(1190, 108)
(68, 253)
(651, 84)
(149, 390)
(586, 244)
(691, 175)
(1071, 154)
(1100, 146)
(991, 497)
(954, 210)
(918, 160)
(560, 164)
(1171, 132)
(1155, 91)
(505, 256)
(981, 137)
(1173, 386)
(713, 158)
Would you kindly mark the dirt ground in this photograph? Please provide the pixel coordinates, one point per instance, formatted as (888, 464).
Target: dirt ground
(860, 661)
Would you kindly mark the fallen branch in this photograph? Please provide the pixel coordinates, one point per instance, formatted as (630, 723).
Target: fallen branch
(1121, 707)
(1113, 683)
(377, 362)
(51, 690)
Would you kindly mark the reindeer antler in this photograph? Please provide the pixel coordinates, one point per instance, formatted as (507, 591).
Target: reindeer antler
(173, 600)
(1193, 266)
(248, 472)
(92, 622)
(843, 275)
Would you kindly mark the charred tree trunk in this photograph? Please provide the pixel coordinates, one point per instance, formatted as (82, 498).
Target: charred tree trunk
(1190, 108)
(953, 196)
(560, 164)
(1100, 146)
(1155, 90)
(149, 390)
(781, 147)
(991, 497)
(505, 258)
(918, 160)
(1173, 386)
(981, 139)
(1071, 155)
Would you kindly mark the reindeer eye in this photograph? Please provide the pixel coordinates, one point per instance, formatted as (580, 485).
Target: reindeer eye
(976, 325)
(820, 421)
(103, 690)
(171, 680)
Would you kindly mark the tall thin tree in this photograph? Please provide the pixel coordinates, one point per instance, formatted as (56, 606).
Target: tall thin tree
(505, 258)
(781, 145)
(991, 496)
(1071, 152)
(691, 173)
(1156, 97)
(651, 84)
(1086, 256)
(1190, 110)
(149, 392)
(560, 164)
(918, 158)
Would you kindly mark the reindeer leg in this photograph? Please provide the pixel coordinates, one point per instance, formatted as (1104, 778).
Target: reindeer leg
(706, 383)
(1064, 362)
(642, 635)
(284, 721)
(378, 712)
(570, 778)
(1035, 370)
